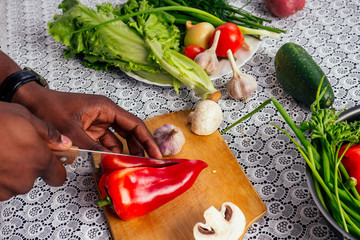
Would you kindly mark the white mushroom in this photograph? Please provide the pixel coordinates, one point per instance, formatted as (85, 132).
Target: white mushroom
(226, 224)
(206, 118)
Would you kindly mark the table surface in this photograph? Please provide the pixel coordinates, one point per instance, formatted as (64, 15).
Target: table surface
(328, 29)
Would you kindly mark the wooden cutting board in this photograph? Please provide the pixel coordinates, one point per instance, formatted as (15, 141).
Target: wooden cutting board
(222, 181)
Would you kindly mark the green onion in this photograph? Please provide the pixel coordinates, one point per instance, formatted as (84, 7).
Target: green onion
(202, 15)
(321, 156)
(223, 10)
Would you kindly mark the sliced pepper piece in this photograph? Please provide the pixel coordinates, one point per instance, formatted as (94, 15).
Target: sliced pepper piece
(111, 162)
(136, 191)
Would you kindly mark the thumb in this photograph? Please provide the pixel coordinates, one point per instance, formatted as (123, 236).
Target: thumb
(54, 139)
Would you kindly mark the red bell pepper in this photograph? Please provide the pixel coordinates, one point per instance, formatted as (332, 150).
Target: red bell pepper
(351, 162)
(136, 191)
(111, 162)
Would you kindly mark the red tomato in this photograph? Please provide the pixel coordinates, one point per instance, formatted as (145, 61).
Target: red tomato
(355, 173)
(230, 38)
(191, 51)
(352, 164)
(353, 149)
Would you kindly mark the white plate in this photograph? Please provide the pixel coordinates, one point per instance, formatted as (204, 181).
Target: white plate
(241, 56)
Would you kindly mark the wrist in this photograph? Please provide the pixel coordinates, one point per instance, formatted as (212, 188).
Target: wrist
(18, 80)
(28, 94)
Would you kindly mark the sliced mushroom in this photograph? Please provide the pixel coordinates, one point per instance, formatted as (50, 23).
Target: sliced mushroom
(228, 223)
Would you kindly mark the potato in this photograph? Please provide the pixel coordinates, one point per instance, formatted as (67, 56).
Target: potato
(284, 8)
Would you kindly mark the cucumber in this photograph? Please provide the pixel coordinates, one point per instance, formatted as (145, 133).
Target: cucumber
(300, 75)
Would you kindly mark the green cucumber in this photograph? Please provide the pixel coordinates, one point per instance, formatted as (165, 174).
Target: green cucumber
(300, 75)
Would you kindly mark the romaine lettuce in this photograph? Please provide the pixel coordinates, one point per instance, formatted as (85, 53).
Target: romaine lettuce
(147, 44)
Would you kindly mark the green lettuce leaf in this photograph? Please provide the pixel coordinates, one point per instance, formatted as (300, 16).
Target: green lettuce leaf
(111, 43)
(147, 44)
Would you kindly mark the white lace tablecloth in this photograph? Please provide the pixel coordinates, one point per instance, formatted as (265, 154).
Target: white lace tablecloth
(328, 29)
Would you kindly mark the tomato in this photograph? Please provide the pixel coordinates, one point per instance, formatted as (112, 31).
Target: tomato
(355, 173)
(353, 149)
(351, 162)
(230, 38)
(191, 51)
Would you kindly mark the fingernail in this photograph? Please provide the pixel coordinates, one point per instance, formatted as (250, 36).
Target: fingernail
(65, 140)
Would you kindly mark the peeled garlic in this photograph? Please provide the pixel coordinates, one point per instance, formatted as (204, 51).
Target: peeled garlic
(208, 59)
(169, 138)
(241, 85)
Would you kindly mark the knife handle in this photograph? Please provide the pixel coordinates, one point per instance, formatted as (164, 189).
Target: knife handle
(66, 157)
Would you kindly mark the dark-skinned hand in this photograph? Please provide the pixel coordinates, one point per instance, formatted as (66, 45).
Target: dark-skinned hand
(26, 146)
(87, 120)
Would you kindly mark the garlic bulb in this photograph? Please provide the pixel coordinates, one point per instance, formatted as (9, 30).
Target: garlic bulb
(208, 59)
(241, 85)
(169, 138)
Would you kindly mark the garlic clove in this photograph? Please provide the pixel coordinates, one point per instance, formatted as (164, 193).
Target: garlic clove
(208, 59)
(169, 138)
(241, 86)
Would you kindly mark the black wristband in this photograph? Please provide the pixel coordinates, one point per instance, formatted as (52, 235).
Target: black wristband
(16, 80)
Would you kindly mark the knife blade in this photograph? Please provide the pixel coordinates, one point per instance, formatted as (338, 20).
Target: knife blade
(69, 157)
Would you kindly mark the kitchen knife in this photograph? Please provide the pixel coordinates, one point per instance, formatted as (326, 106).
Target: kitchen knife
(69, 156)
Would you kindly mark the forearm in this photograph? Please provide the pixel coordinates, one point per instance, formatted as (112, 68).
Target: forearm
(7, 67)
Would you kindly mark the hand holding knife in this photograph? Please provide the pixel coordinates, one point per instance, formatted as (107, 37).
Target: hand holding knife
(124, 160)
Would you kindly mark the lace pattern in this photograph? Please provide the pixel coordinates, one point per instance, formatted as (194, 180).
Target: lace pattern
(328, 29)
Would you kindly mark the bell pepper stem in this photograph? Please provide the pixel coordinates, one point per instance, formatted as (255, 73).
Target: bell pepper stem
(104, 202)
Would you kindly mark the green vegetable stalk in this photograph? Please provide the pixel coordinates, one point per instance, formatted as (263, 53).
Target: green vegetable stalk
(221, 9)
(194, 12)
(332, 183)
(140, 41)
